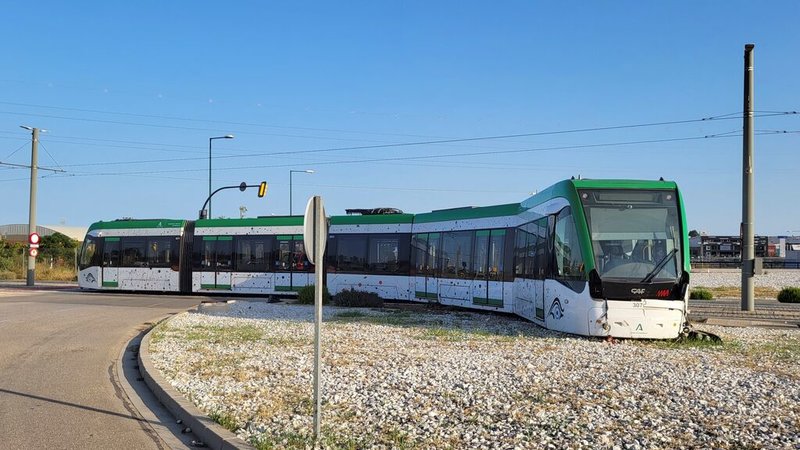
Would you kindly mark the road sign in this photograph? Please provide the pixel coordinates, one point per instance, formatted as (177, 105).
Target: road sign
(315, 234)
(315, 230)
(34, 238)
(33, 252)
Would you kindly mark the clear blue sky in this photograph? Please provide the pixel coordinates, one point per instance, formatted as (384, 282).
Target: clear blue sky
(131, 91)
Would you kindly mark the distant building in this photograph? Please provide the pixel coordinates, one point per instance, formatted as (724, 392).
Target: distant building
(19, 232)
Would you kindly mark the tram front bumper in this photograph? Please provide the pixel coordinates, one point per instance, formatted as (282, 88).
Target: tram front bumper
(644, 319)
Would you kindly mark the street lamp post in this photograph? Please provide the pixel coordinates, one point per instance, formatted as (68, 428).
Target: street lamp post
(290, 185)
(227, 136)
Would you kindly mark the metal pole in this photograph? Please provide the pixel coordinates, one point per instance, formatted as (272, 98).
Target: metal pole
(209, 177)
(32, 210)
(318, 250)
(748, 238)
(290, 192)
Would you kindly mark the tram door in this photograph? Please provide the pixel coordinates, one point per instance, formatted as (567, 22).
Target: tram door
(292, 269)
(110, 272)
(544, 251)
(217, 258)
(496, 257)
(426, 252)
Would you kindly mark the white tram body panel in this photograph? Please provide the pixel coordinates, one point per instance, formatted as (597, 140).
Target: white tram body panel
(139, 274)
(212, 280)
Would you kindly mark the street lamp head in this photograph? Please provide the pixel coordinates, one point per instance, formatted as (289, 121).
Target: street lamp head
(26, 127)
(228, 136)
(310, 171)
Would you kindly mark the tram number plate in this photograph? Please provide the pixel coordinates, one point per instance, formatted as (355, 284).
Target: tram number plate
(638, 304)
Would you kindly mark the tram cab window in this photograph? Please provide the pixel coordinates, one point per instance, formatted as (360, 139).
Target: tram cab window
(90, 256)
(566, 248)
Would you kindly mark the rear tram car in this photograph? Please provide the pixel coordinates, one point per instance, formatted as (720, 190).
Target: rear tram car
(589, 257)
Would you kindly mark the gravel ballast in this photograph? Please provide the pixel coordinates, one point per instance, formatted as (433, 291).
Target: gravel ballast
(414, 378)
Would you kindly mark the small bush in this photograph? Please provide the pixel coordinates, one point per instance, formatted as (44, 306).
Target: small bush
(358, 299)
(700, 294)
(789, 295)
(7, 275)
(305, 296)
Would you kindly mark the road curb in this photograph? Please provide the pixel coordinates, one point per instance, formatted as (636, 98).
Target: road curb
(211, 433)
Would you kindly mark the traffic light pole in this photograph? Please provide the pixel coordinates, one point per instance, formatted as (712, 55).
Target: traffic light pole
(32, 211)
(262, 190)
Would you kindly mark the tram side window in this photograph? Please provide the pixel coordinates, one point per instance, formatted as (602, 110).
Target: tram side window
(387, 253)
(111, 252)
(520, 238)
(419, 249)
(457, 254)
(162, 251)
(253, 253)
(497, 243)
(133, 252)
(351, 253)
(541, 252)
(566, 247)
(532, 235)
(213, 254)
(299, 260)
(224, 253)
(481, 254)
(90, 256)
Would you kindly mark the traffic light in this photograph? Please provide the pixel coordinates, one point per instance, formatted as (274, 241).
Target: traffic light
(262, 189)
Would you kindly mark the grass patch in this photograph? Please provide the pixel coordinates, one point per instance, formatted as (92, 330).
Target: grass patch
(390, 317)
(787, 350)
(226, 420)
(678, 344)
(220, 334)
(349, 314)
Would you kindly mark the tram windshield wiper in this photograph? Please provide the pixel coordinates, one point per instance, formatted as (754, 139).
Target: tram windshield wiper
(649, 277)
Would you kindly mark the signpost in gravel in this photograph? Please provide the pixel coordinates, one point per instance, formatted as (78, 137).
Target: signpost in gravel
(315, 235)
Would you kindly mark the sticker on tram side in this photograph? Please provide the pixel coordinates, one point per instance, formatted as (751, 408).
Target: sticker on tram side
(556, 310)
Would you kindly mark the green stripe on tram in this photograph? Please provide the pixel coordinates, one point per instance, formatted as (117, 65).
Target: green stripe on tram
(216, 287)
(428, 295)
(287, 288)
(110, 283)
(487, 301)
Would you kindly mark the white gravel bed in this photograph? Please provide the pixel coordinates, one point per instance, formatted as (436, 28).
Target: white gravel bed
(417, 379)
(773, 279)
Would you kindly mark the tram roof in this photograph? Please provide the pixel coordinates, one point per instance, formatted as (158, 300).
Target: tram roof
(124, 224)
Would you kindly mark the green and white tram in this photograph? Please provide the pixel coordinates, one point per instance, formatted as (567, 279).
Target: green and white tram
(589, 257)
(133, 255)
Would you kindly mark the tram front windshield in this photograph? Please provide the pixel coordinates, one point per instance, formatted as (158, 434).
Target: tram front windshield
(636, 234)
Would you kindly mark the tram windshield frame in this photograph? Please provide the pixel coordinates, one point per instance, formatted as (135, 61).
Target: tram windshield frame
(635, 234)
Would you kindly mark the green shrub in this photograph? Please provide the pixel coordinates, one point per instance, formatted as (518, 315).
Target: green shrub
(305, 296)
(700, 294)
(789, 295)
(358, 299)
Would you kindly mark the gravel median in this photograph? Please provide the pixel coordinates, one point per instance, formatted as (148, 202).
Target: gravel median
(400, 378)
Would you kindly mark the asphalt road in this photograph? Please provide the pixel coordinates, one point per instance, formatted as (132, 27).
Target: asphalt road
(62, 380)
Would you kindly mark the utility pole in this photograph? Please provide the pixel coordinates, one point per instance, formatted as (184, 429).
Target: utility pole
(32, 209)
(748, 238)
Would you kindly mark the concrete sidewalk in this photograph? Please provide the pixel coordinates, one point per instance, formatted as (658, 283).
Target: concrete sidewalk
(728, 312)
